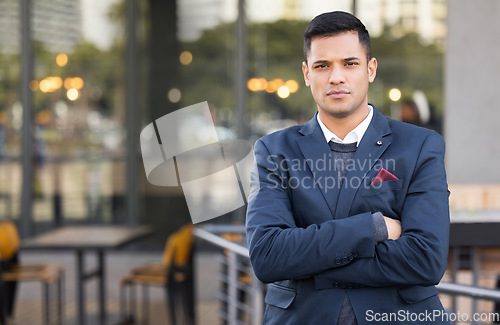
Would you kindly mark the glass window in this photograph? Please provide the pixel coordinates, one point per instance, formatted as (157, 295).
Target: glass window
(186, 52)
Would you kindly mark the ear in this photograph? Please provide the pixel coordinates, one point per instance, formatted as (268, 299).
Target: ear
(372, 69)
(305, 71)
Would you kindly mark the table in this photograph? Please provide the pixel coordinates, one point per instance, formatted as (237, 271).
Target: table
(88, 238)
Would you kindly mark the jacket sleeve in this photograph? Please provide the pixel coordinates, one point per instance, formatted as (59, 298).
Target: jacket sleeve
(419, 256)
(280, 250)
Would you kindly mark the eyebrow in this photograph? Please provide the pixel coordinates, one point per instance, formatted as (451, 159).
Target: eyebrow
(352, 58)
(320, 61)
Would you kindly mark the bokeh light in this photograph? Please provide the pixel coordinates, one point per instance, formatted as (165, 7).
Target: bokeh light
(174, 95)
(283, 92)
(75, 82)
(73, 94)
(292, 85)
(186, 58)
(34, 85)
(394, 94)
(274, 85)
(61, 59)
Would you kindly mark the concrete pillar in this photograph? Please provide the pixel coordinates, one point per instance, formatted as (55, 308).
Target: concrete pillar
(472, 91)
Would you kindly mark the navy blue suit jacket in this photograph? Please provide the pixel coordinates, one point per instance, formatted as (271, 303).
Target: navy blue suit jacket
(312, 237)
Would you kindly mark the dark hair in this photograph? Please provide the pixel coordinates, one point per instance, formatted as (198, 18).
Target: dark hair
(333, 23)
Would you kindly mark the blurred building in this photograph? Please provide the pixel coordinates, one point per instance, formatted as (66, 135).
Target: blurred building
(424, 17)
(56, 24)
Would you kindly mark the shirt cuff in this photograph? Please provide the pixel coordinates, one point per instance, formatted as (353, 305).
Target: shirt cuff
(379, 227)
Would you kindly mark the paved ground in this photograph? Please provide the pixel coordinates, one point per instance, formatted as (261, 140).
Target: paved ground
(28, 306)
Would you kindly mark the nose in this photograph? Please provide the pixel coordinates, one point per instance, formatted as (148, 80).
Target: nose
(337, 75)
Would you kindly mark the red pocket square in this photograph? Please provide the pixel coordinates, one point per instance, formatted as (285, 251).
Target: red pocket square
(382, 176)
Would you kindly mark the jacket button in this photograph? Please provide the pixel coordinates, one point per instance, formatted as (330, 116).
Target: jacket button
(338, 261)
(336, 284)
(351, 257)
(345, 260)
(355, 254)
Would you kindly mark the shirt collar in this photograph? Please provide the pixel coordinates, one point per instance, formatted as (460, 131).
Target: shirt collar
(354, 136)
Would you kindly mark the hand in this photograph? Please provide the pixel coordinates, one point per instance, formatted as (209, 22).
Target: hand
(393, 228)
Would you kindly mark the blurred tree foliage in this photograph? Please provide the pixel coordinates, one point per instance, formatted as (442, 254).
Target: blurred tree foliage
(98, 68)
(408, 64)
(275, 51)
(9, 79)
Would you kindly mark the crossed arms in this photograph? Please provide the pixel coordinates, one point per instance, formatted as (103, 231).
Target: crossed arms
(279, 249)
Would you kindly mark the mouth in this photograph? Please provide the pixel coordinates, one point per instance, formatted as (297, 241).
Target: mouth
(337, 94)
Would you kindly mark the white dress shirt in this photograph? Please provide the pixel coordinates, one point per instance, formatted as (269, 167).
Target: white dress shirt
(354, 136)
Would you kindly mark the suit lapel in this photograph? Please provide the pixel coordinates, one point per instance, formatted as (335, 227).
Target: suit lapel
(319, 160)
(373, 144)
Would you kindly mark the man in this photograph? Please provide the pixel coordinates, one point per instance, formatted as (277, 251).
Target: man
(348, 214)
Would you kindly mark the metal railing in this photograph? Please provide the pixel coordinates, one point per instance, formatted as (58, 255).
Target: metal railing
(238, 282)
(474, 292)
(235, 263)
(457, 289)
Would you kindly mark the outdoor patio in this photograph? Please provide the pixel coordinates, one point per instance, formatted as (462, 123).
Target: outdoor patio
(29, 307)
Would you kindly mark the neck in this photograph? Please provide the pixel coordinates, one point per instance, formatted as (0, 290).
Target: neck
(341, 126)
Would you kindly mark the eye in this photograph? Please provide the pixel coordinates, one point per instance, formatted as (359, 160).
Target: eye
(351, 63)
(320, 66)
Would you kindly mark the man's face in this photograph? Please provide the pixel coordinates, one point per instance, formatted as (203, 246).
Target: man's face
(338, 73)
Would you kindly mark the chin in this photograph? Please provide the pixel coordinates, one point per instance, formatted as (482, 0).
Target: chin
(339, 113)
